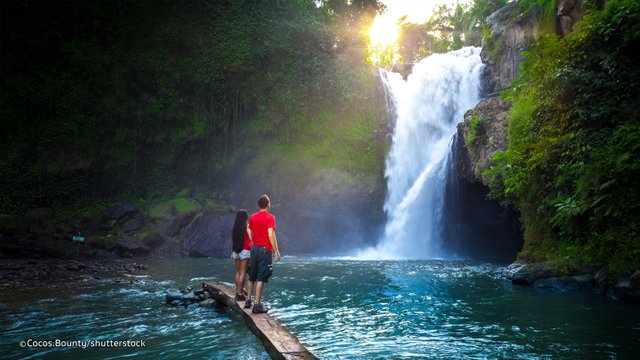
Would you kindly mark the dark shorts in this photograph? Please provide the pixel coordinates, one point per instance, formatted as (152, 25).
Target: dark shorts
(260, 268)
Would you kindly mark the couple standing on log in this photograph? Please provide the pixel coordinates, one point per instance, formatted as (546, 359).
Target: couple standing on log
(254, 242)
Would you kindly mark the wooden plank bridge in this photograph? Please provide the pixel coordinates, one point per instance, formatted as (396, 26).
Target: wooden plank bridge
(277, 340)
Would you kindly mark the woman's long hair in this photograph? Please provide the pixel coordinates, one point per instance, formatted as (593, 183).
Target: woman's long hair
(239, 229)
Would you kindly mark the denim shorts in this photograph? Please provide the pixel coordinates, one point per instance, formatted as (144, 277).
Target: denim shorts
(260, 268)
(244, 255)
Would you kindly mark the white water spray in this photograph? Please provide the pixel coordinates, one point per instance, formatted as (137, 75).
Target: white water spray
(428, 107)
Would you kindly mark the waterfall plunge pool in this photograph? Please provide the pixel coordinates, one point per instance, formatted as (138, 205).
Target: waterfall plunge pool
(338, 308)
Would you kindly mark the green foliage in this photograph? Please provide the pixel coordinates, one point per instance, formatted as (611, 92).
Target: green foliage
(449, 28)
(546, 10)
(139, 99)
(474, 128)
(573, 157)
(173, 207)
(567, 210)
(184, 205)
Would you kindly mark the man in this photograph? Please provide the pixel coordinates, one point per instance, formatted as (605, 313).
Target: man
(263, 230)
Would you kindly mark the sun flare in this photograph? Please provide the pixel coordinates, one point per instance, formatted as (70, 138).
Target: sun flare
(384, 31)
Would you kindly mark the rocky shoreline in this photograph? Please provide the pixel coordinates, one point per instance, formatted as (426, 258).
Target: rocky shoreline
(619, 287)
(175, 228)
(38, 273)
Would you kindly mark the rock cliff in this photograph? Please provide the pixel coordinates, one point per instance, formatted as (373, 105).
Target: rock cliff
(484, 132)
(512, 31)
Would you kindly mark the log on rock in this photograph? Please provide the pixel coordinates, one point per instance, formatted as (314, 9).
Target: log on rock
(277, 340)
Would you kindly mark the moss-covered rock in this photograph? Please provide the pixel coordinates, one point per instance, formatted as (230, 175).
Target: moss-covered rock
(484, 132)
(178, 207)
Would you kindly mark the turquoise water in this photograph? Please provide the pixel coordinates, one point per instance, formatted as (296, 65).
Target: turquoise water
(340, 309)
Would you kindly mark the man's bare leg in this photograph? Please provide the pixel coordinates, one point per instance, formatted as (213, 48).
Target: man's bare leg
(259, 289)
(250, 290)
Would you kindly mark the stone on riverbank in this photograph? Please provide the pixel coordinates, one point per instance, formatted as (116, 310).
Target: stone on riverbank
(625, 290)
(130, 246)
(567, 283)
(31, 273)
(624, 287)
(186, 297)
(208, 303)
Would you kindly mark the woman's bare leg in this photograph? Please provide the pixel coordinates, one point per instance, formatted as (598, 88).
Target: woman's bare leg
(239, 280)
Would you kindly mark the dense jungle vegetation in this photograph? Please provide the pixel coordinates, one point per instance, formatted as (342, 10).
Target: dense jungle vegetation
(134, 101)
(573, 159)
(107, 101)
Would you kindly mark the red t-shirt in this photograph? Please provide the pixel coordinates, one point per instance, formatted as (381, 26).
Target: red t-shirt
(247, 241)
(259, 223)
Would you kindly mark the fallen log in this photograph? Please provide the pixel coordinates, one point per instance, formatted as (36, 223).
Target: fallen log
(277, 340)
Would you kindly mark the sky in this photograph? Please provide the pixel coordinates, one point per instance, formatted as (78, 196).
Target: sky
(417, 11)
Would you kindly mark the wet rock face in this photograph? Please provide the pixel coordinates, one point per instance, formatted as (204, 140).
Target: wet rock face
(484, 132)
(512, 32)
(403, 69)
(469, 214)
(209, 235)
(568, 13)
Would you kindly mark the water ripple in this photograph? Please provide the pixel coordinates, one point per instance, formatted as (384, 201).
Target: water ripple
(340, 309)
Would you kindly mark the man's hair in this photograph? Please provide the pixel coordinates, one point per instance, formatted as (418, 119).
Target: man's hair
(263, 201)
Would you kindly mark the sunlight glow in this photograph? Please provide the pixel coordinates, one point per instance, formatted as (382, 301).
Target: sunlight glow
(384, 31)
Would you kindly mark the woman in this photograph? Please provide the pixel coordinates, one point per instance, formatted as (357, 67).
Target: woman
(241, 237)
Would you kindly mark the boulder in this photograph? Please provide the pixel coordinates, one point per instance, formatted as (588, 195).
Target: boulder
(208, 235)
(527, 276)
(190, 297)
(131, 245)
(170, 227)
(101, 242)
(208, 303)
(153, 240)
(122, 210)
(132, 225)
(635, 279)
(169, 248)
(601, 281)
(566, 283)
(625, 291)
(513, 269)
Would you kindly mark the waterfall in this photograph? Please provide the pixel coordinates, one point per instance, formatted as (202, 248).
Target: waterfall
(427, 107)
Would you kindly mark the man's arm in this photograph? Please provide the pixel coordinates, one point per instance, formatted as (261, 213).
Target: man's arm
(274, 242)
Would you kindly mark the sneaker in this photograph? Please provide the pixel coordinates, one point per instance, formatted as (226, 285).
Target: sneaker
(259, 309)
(240, 297)
(248, 303)
(244, 293)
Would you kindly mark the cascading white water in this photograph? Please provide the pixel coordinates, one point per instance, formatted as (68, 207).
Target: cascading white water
(428, 106)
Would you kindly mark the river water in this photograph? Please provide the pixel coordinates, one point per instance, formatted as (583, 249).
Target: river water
(338, 308)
